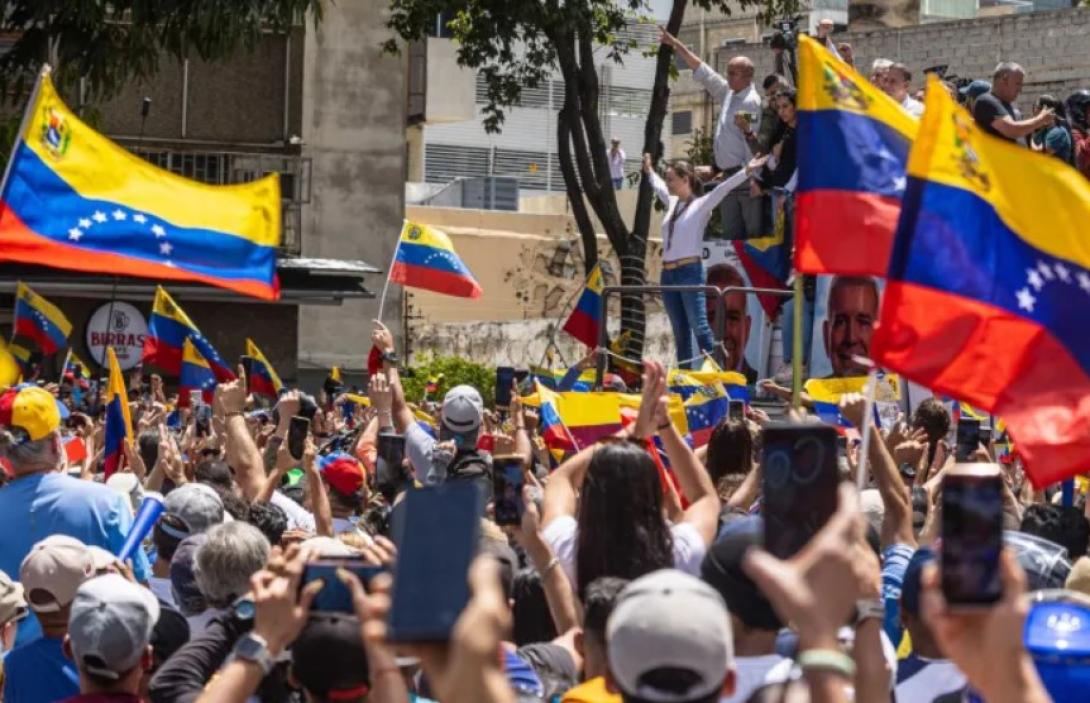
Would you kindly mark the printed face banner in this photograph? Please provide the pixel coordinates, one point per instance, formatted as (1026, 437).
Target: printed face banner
(845, 314)
(745, 326)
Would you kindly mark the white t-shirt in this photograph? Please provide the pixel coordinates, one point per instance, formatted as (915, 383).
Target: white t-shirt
(754, 672)
(562, 535)
(922, 679)
(912, 106)
(343, 525)
(616, 163)
(299, 518)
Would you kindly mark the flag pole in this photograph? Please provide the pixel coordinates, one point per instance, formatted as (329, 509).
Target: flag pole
(64, 366)
(796, 345)
(46, 70)
(868, 413)
(386, 285)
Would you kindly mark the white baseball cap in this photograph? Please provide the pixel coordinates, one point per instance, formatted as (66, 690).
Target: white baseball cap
(463, 409)
(669, 619)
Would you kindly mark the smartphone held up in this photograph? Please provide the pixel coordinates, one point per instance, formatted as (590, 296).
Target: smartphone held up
(972, 536)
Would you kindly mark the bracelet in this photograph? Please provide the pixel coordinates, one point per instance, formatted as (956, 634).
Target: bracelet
(868, 609)
(553, 563)
(663, 426)
(234, 413)
(827, 660)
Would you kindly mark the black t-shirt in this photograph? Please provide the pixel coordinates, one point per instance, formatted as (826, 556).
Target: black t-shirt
(987, 108)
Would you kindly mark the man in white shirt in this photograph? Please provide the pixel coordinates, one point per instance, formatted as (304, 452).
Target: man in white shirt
(616, 163)
(739, 117)
(896, 82)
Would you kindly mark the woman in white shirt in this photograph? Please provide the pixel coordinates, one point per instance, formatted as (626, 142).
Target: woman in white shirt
(687, 215)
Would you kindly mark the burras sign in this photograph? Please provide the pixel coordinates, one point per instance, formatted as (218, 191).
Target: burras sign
(121, 326)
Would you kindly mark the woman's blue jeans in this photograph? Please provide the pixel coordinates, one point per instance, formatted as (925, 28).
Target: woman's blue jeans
(688, 313)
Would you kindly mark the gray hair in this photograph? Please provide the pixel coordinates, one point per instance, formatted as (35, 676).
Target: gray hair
(29, 456)
(1005, 68)
(880, 65)
(232, 553)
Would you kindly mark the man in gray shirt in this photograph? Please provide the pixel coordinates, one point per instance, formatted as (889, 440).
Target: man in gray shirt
(735, 133)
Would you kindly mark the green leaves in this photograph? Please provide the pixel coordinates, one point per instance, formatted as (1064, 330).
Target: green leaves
(112, 42)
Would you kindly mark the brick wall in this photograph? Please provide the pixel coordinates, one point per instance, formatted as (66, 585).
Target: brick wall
(1054, 48)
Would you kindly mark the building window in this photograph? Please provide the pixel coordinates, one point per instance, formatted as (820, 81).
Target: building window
(440, 29)
(681, 122)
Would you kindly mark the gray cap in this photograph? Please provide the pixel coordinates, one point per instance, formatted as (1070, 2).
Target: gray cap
(12, 603)
(669, 619)
(110, 625)
(198, 507)
(463, 409)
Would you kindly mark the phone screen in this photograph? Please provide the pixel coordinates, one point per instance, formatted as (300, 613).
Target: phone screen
(505, 376)
(737, 410)
(800, 484)
(968, 438)
(972, 538)
(391, 455)
(507, 481)
(335, 596)
(297, 436)
(437, 540)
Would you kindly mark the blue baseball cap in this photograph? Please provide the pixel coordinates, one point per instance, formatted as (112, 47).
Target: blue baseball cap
(912, 585)
(1057, 636)
(975, 89)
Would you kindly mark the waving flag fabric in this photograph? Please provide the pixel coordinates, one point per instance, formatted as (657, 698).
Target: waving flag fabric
(767, 262)
(75, 200)
(425, 258)
(118, 421)
(168, 328)
(853, 147)
(263, 379)
(196, 375)
(39, 320)
(77, 370)
(988, 291)
(585, 318)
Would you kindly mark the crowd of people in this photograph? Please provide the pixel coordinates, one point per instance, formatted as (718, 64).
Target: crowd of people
(616, 583)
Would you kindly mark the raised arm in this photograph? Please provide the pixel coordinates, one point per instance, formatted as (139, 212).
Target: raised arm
(401, 415)
(242, 453)
(705, 205)
(714, 83)
(658, 186)
(691, 60)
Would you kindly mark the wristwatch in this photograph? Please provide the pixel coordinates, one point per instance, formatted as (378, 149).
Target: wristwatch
(390, 357)
(252, 647)
(869, 608)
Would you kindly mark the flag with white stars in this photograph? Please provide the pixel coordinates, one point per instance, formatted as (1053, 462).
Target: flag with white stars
(988, 291)
(75, 200)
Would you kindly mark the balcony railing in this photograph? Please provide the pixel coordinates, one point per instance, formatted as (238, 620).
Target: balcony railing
(226, 167)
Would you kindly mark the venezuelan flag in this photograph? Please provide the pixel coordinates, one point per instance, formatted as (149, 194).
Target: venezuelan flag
(38, 319)
(988, 291)
(196, 375)
(425, 258)
(557, 438)
(586, 316)
(825, 394)
(263, 379)
(22, 358)
(77, 370)
(75, 200)
(767, 262)
(118, 421)
(168, 328)
(853, 147)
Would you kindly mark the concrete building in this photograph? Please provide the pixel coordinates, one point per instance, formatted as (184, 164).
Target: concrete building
(325, 108)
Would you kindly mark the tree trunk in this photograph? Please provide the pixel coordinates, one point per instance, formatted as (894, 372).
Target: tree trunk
(587, 235)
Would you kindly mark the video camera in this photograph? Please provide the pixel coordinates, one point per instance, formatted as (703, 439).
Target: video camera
(786, 35)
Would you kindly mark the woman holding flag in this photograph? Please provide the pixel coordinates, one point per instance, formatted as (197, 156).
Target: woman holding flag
(687, 215)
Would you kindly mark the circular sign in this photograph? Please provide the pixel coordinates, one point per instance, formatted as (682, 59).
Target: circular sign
(121, 326)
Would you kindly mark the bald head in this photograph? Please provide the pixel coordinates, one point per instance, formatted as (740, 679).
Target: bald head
(740, 72)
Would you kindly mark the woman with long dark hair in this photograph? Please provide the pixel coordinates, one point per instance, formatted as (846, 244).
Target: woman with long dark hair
(604, 511)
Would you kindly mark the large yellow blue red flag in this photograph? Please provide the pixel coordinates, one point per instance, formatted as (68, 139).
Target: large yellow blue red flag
(853, 147)
(988, 289)
(263, 378)
(425, 258)
(75, 200)
(586, 316)
(168, 329)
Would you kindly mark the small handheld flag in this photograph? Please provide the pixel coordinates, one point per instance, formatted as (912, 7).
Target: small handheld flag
(168, 328)
(585, 318)
(118, 420)
(196, 375)
(425, 258)
(263, 379)
(39, 320)
(75, 200)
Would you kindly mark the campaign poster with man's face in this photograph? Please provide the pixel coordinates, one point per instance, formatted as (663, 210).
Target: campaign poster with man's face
(746, 335)
(845, 315)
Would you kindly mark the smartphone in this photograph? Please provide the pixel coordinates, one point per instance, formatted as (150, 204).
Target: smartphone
(391, 447)
(335, 596)
(799, 486)
(297, 436)
(389, 475)
(507, 481)
(505, 376)
(195, 399)
(737, 410)
(437, 535)
(972, 535)
(968, 439)
(203, 414)
(247, 363)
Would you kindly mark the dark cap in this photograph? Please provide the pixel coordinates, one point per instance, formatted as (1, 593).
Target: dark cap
(183, 581)
(722, 570)
(328, 658)
(975, 89)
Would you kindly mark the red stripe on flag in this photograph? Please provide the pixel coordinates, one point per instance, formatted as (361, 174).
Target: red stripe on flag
(583, 327)
(27, 328)
(434, 280)
(844, 232)
(996, 361)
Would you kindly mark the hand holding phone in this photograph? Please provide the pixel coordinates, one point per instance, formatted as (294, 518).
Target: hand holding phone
(335, 597)
(505, 377)
(737, 410)
(968, 439)
(972, 535)
(799, 464)
(508, 479)
(297, 436)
